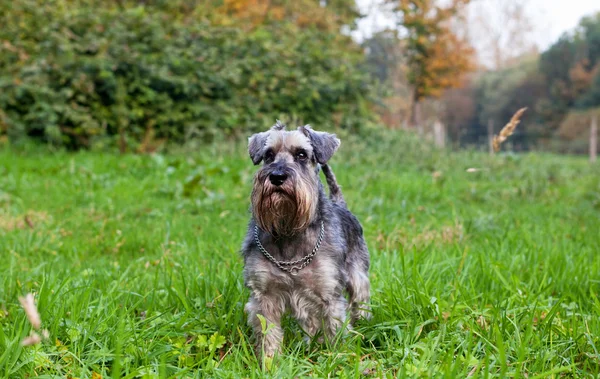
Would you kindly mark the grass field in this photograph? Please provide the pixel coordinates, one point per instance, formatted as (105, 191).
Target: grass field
(134, 264)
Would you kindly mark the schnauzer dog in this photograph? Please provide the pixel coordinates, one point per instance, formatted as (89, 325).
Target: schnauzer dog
(302, 248)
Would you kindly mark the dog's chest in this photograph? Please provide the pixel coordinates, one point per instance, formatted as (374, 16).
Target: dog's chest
(320, 277)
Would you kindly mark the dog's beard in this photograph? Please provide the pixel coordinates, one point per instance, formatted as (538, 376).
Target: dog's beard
(286, 209)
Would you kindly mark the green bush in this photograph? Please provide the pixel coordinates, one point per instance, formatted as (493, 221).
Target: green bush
(74, 73)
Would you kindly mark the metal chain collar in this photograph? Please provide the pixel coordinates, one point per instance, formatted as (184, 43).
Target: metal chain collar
(292, 265)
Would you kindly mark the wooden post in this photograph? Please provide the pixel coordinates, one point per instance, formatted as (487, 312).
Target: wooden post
(594, 138)
(438, 134)
(490, 132)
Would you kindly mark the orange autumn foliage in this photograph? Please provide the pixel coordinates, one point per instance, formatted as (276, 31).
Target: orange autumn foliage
(582, 75)
(304, 13)
(437, 57)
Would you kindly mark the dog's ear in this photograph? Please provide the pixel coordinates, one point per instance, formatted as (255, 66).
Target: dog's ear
(256, 144)
(324, 144)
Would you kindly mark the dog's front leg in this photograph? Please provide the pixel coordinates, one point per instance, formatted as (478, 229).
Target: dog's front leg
(358, 288)
(334, 317)
(269, 336)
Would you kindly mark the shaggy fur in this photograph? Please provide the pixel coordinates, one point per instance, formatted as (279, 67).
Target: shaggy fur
(288, 205)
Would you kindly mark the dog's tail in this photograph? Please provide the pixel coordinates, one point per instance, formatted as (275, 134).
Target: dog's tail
(335, 192)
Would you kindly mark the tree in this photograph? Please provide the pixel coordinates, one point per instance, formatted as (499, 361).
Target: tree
(590, 32)
(459, 108)
(437, 57)
(591, 98)
(570, 68)
(499, 31)
(588, 71)
(385, 61)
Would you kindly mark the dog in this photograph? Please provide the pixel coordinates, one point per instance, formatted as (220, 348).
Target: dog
(303, 249)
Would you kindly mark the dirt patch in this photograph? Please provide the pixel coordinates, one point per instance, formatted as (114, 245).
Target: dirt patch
(29, 220)
(448, 234)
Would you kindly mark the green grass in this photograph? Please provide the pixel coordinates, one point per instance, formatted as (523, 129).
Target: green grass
(135, 268)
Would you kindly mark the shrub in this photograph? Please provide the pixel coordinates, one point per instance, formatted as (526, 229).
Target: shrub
(72, 73)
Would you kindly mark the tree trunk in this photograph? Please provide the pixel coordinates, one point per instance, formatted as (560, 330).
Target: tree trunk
(122, 141)
(490, 132)
(594, 138)
(415, 113)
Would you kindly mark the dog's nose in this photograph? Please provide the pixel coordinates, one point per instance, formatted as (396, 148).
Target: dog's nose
(277, 177)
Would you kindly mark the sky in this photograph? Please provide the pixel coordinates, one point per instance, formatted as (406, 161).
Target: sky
(554, 17)
(551, 18)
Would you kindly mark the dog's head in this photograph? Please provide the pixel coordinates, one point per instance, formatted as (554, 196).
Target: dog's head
(286, 187)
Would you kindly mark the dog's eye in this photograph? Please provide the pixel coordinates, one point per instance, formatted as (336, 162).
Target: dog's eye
(301, 155)
(269, 156)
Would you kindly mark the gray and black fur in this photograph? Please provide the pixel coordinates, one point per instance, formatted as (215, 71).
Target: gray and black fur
(288, 205)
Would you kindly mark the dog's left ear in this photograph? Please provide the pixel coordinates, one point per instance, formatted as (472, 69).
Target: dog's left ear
(256, 144)
(324, 144)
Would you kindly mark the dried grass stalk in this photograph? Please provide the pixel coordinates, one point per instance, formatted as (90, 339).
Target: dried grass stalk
(31, 311)
(33, 339)
(28, 303)
(507, 130)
